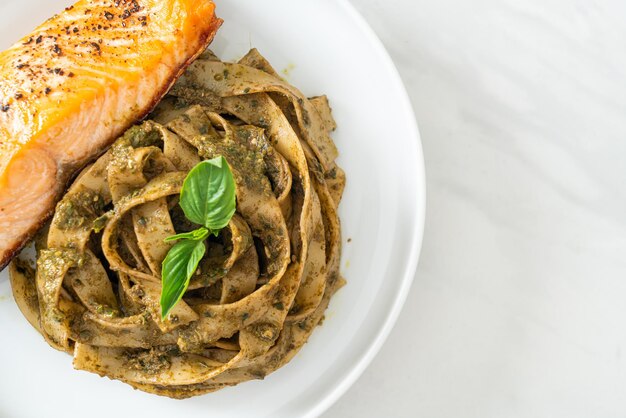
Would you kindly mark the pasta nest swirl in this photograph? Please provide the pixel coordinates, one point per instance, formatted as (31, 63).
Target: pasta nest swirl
(264, 282)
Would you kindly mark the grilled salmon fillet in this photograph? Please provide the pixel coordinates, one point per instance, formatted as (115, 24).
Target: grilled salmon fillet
(77, 82)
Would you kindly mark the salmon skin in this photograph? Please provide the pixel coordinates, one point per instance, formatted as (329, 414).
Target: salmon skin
(77, 82)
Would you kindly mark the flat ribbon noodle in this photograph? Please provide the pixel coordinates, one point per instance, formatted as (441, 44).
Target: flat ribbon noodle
(265, 281)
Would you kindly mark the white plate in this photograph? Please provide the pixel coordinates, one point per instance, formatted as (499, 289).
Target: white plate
(325, 47)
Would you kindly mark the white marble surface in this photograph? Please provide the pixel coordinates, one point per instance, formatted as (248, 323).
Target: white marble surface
(519, 305)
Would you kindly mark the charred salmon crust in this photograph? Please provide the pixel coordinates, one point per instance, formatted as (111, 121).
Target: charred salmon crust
(74, 85)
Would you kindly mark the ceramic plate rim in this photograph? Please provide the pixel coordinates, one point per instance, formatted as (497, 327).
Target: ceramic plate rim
(417, 235)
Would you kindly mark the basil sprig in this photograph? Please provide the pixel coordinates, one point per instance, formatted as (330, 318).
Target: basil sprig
(208, 199)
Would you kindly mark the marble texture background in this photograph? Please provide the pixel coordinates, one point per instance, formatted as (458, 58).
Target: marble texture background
(519, 304)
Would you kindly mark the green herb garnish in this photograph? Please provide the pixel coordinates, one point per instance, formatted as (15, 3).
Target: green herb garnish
(208, 199)
(208, 194)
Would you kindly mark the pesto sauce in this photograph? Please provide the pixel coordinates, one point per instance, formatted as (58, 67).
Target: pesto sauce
(79, 210)
(142, 136)
(135, 137)
(244, 152)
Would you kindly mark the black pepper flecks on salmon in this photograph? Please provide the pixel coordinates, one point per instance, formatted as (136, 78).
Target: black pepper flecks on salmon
(68, 89)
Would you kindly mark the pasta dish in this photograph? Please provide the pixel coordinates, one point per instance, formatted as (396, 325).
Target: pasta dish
(257, 287)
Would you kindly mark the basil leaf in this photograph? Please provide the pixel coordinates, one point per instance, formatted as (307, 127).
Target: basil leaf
(198, 235)
(179, 265)
(208, 194)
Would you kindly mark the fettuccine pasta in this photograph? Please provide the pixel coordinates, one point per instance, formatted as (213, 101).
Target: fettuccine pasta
(264, 282)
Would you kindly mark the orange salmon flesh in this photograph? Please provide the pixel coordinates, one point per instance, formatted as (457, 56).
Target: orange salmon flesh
(73, 85)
